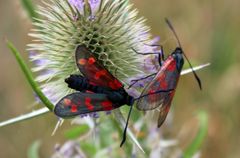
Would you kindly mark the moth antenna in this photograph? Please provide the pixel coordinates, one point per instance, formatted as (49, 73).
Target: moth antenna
(174, 32)
(194, 73)
(125, 129)
(179, 43)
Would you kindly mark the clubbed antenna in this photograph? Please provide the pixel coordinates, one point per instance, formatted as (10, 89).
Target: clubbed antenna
(175, 34)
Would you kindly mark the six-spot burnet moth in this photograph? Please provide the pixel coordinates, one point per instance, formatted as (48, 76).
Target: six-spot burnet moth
(108, 92)
(166, 78)
(90, 98)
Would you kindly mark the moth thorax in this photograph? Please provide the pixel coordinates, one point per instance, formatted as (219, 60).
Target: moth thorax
(129, 100)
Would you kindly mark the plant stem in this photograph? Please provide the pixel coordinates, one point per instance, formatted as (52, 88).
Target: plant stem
(27, 72)
(24, 117)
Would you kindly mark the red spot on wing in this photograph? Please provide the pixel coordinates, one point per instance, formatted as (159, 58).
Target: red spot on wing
(161, 77)
(107, 105)
(115, 84)
(151, 95)
(163, 84)
(74, 108)
(67, 102)
(91, 60)
(99, 74)
(88, 104)
(172, 66)
(82, 61)
(151, 91)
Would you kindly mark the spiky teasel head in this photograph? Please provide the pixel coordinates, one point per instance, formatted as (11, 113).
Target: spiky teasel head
(109, 28)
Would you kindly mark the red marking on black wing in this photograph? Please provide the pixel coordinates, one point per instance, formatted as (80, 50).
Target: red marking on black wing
(165, 79)
(94, 71)
(82, 103)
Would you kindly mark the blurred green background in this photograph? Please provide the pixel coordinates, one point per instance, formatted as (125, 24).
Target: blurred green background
(209, 32)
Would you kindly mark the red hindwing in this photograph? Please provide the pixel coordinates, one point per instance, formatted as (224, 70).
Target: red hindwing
(95, 72)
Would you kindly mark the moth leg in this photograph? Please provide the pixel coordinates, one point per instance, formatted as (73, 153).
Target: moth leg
(160, 55)
(144, 53)
(143, 78)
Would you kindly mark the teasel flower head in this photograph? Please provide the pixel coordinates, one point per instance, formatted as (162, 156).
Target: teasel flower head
(110, 29)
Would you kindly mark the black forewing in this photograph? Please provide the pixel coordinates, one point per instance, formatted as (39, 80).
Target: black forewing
(82, 103)
(95, 72)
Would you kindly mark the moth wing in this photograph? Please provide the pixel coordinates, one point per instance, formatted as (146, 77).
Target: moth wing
(164, 109)
(165, 79)
(82, 103)
(94, 71)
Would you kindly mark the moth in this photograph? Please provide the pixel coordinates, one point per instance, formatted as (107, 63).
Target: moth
(166, 78)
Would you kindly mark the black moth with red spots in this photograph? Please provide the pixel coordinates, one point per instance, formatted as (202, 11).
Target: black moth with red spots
(166, 78)
(84, 101)
(95, 72)
(106, 91)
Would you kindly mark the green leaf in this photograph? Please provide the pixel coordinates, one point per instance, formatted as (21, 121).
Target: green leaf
(33, 150)
(89, 149)
(77, 131)
(27, 72)
(30, 9)
(198, 140)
